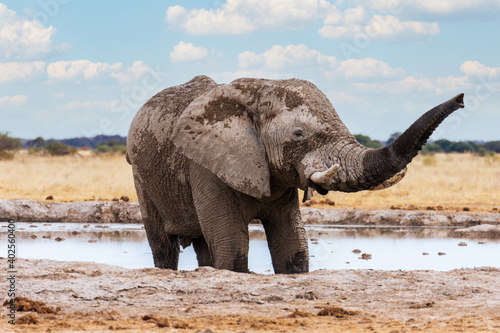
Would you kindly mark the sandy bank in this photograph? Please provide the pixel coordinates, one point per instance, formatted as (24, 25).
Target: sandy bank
(120, 211)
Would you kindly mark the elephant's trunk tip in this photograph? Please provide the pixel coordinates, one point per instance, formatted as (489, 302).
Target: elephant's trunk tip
(459, 99)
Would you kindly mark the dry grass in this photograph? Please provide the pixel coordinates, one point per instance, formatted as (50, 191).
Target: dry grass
(453, 181)
(66, 178)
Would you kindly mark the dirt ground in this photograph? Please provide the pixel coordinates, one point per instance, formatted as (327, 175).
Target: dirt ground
(78, 296)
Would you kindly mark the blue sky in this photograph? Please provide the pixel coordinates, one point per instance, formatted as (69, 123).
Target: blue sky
(72, 68)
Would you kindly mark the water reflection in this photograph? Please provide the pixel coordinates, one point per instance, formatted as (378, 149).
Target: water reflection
(331, 247)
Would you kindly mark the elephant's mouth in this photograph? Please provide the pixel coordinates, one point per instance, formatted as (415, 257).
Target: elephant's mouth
(317, 188)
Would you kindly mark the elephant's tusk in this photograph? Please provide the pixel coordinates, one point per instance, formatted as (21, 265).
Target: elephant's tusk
(324, 177)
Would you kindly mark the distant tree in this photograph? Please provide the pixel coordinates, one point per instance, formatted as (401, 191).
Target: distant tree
(393, 137)
(474, 146)
(462, 147)
(445, 145)
(367, 141)
(112, 146)
(36, 143)
(493, 146)
(56, 148)
(8, 146)
(431, 148)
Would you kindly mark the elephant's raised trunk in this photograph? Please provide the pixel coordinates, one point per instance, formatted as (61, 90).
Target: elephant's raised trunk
(374, 168)
(381, 164)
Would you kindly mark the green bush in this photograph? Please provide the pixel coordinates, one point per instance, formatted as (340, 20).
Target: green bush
(367, 141)
(113, 146)
(8, 146)
(56, 148)
(431, 148)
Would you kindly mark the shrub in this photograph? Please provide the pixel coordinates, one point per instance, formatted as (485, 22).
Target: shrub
(429, 160)
(56, 148)
(8, 146)
(113, 146)
(367, 141)
(431, 148)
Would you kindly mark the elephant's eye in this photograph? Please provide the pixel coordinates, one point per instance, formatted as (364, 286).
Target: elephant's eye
(298, 134)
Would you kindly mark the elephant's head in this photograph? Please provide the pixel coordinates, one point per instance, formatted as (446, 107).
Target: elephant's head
(257, 135)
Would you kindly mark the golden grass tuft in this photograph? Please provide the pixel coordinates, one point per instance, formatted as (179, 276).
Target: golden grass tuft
(452, 181)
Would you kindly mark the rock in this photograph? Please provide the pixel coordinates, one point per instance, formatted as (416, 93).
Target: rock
(124, 198)
(441, 254)
(365, 256)
(356, 251)
(329, 202)
(49, 198)
(462, 244)
(59, 239)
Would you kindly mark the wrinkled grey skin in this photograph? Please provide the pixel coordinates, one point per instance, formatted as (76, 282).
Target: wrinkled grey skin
(209, 158)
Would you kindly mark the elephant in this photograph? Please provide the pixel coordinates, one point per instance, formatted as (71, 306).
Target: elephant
(209, 158)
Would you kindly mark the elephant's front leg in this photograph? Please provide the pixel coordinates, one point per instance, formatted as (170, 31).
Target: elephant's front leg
(287, 236)
(222, 222)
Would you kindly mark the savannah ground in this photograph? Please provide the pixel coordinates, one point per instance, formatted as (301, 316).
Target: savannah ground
(80, 296)
(441, 181)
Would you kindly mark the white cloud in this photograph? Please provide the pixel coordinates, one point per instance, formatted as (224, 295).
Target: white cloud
(240, 16)
(300, 56)
(290, 56)
(20, 71)
(442, 7)
(59, 95)
(184, 52)
(13, 100)
(381, 26)
(411, 84)
(86, 70)
(107, 105)
(365, 68)
(133, 73)
(342, 97)
(77, 69)
(475, 68)
(21, 38)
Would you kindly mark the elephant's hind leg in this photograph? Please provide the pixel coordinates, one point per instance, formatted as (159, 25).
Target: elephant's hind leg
(202, 252)
(164, 246)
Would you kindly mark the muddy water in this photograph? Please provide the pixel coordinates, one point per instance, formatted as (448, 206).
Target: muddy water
(331, 247)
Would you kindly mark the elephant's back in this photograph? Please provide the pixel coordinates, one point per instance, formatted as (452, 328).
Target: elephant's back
(158, 116)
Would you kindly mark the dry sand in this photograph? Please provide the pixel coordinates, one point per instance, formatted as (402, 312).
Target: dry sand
(94, 297)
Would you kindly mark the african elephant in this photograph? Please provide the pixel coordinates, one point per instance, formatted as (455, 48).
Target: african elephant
(208, 158)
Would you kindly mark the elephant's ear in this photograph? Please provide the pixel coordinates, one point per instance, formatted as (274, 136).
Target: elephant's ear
(216, 131)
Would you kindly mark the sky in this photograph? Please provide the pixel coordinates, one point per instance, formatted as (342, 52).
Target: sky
(72, 68)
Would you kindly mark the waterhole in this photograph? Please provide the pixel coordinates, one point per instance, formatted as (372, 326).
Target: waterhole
(330, 247)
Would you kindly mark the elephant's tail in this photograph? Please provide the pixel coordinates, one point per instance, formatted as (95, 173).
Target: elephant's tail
(127, 158)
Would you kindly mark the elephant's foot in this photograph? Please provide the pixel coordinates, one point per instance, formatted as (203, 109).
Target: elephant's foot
(165, 252)
(299, 263)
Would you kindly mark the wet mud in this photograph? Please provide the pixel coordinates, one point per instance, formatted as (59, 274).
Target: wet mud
(98, 297)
